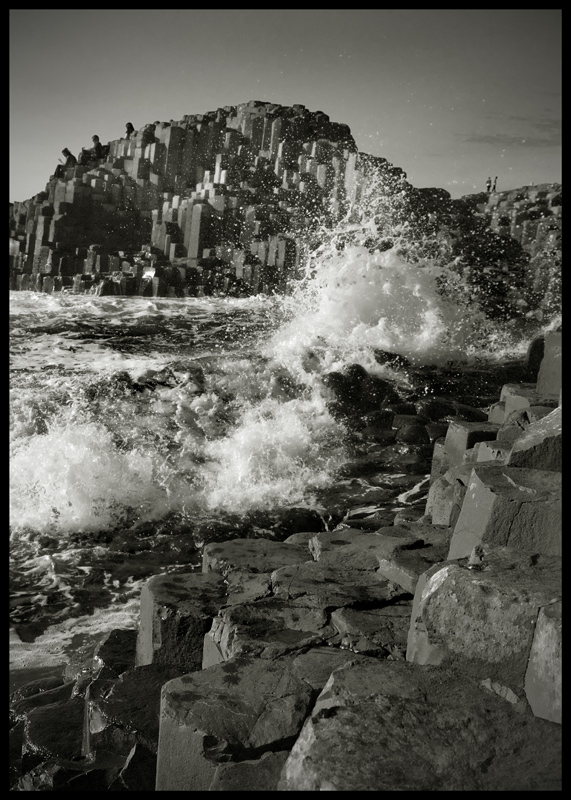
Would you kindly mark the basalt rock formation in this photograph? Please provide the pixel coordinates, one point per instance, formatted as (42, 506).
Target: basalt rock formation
(230, 202)
(225, 196)
(417, 651)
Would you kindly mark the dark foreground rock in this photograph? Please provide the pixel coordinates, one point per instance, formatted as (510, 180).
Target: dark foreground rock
(413, 645)
(384, 726)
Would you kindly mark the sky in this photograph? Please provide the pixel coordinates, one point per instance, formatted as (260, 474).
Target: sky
(449, 96)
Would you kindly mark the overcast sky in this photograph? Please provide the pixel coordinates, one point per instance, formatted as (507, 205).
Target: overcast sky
(450, 96)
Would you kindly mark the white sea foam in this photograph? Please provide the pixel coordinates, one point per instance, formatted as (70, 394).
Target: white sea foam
(356, 302)
(276, 453)
(75, 478)
(258, 432)
(245, 442)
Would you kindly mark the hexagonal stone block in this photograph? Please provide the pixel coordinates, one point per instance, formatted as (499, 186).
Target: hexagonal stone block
(506, 505)
(549, 376)
(462, 436)
(267, 628)
(229, 712)
(446, 495)
(326, 587)
(252, 555)
(175, 613)
(516, 396)
(483, 620)
(390, 726)
(352, 548)
(541, 445)
(543, 679)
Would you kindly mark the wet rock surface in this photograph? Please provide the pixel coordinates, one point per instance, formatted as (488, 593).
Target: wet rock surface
(424, 729)
(406, 636)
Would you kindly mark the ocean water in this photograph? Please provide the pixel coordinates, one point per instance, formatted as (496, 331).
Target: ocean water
(142, 427)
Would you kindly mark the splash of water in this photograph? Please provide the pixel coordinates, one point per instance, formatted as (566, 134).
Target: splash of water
(259, 433)
(277, 453)
(358, 301)
(75, 478)
(373, 283)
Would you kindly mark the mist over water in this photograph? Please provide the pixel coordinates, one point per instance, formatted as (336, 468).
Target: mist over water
(87, 453)
(130, 412)
(359, 301)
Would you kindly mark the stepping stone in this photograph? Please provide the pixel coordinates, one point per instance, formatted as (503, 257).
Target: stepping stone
(390, 726)
(482, 620)
(176, 612)
(352, 548)
(268, 629)
(377, 631)
(506, 505)
(253, 555)
(233, 711)
(327, 587)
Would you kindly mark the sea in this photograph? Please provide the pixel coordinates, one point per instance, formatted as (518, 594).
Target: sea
(141, 428)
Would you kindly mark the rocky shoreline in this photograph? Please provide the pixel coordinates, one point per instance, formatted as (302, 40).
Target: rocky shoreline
(231, 202)
(419, 650)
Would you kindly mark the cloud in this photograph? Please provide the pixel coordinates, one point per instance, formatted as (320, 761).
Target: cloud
(545, 133)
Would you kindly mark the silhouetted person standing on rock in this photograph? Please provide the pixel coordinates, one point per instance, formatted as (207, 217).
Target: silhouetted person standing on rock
(129, 131)
(488, 185)
(494, 186)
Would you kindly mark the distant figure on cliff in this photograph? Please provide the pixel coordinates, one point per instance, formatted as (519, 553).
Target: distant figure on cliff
(89, 154)
(494, 186)
(129, 130)
(70, 161)
(97, 149)
(488, 185)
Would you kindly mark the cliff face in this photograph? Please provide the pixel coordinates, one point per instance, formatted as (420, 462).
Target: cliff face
(530, 217)
(229, 201)
(232, 192)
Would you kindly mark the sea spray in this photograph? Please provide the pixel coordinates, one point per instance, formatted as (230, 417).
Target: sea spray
(75, 478)
(360, 301)
(100, 448)
(91, 450)
(385, 277)
(278, 453)
(136, 420)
